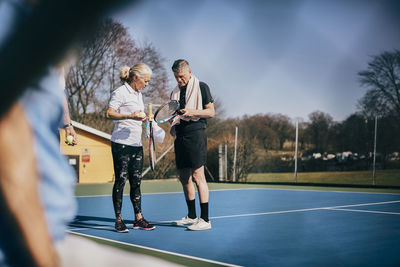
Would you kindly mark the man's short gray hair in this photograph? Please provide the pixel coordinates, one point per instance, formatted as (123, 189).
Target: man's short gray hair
(179, 65)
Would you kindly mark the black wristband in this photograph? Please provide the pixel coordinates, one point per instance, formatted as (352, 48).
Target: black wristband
(67, 125)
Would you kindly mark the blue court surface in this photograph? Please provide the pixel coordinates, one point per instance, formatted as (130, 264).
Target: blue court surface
(261, 227)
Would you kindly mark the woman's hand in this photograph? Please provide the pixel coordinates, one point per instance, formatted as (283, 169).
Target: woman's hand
(69, 130)
(138, 115)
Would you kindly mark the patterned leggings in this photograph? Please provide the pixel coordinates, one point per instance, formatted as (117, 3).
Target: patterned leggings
(128, 164)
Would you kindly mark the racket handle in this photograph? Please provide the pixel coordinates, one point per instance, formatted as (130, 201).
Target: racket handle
(150, 111)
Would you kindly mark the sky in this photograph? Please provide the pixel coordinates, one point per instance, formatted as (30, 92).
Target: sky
(291, 57)
(287, 57)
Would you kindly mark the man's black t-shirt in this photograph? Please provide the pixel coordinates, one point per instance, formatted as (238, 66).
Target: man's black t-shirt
(188, 126)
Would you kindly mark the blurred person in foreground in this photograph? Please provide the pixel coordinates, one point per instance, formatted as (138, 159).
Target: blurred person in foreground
(196, 105)
(36, 183)
(126, 109)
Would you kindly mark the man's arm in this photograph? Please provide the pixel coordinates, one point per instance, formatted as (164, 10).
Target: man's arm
(29, 241)
(207, 112)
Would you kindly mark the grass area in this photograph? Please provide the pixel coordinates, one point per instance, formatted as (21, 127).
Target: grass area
(383, 177)
(148, 186)
(151, 186)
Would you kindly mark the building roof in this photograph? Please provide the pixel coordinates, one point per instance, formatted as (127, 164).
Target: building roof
(91, 130)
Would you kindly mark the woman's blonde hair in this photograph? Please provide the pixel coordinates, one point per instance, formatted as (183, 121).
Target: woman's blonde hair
(140, 69)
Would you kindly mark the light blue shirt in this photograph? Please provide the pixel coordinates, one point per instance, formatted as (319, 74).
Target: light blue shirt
(44, 110)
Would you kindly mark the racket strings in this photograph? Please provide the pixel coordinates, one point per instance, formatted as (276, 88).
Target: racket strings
(166, 111)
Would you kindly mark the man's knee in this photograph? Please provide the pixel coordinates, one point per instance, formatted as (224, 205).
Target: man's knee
(198, 175)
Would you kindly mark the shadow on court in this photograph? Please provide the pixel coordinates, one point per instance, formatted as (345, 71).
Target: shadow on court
(167, 224)
(94, 222)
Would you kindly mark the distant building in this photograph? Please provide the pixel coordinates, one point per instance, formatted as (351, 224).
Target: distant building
(91, 158)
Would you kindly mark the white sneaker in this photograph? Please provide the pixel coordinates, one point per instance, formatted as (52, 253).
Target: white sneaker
(185, 221)
(200, 225)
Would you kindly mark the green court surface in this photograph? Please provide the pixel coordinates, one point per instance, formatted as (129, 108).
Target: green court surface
(173, 185)
(382, 178)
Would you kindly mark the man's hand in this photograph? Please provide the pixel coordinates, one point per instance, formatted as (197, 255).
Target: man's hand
(188, 113)
(207, 112)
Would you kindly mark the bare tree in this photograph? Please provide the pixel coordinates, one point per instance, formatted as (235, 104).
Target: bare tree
(382, 77)
(157, 91)
(318, 130)
(90, 80)
(283, 126)
(246, 158)
(95, 75)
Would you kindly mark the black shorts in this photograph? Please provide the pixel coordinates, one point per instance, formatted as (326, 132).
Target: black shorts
(191, 149)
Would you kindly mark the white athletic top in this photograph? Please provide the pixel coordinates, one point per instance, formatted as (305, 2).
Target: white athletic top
(125, 100)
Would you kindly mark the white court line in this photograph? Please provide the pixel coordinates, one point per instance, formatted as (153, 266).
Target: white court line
(279, 212)
(282, 212)
(157, 250)
(308, 190)
(256, 188)
(265, 213)
(365, 204)
(94, 227)
(303, 210)
(181, 192)
(369, 211)
(160, 193)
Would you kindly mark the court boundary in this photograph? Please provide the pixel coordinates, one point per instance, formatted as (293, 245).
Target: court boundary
(338, 208)
(314, 184)
(161, 253)
(251, 188)
(158, 251)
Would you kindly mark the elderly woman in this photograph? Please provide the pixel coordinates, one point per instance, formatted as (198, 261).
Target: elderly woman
(126, 109)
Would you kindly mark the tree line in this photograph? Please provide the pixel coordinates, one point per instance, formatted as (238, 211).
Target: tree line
(95, 74)
(266, 141)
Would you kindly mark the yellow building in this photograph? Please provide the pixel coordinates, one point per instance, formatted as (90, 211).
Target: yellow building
(91, 158)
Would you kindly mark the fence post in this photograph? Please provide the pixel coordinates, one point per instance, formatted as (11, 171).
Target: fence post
(220, 164)
(295, 154)
(373, 167)
(226, 162)
(234, 156)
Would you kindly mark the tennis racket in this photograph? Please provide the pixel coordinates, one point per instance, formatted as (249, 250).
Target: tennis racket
(167, 111)
(152, 149)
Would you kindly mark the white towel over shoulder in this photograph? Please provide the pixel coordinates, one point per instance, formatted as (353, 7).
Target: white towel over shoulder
(193, 100)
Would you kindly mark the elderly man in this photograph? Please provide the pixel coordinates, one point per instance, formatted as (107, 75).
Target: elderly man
(191, 141)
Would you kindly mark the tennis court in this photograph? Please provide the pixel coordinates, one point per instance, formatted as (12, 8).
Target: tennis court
(258, 227)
